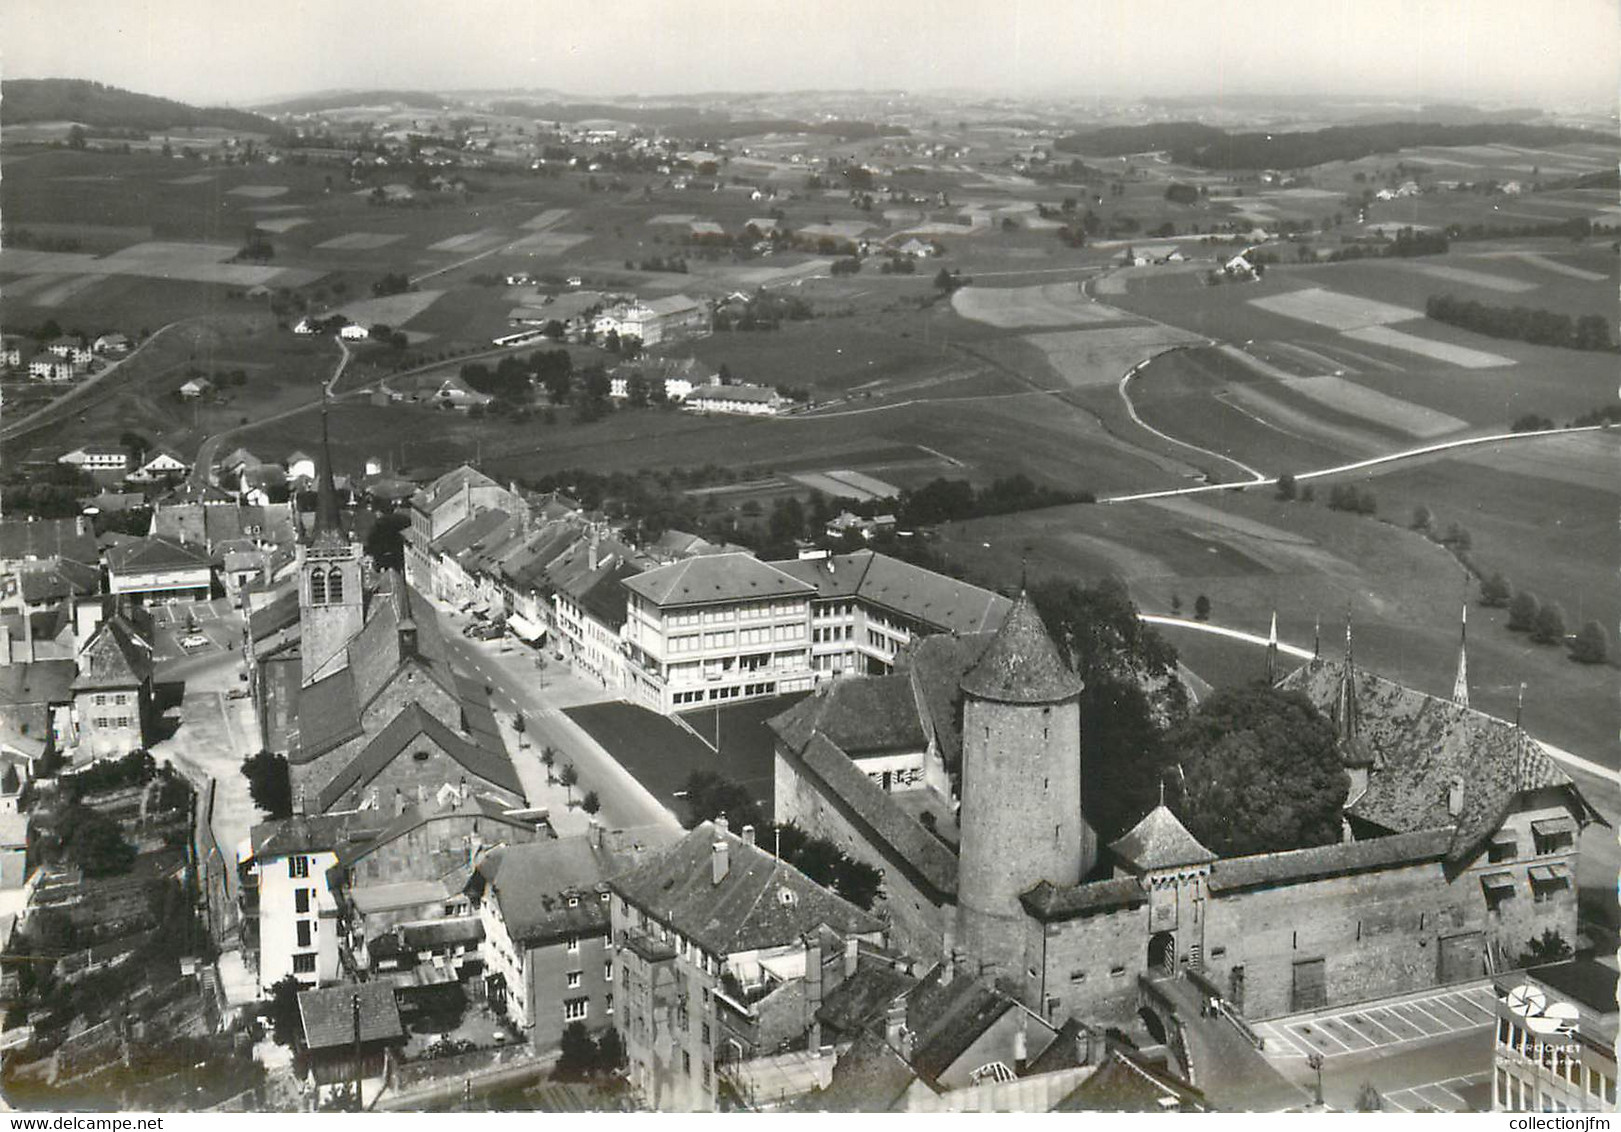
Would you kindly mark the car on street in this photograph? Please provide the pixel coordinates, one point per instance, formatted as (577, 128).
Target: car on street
(195, 641)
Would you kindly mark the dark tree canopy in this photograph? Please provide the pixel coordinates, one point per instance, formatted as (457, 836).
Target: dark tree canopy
(269, 783)
(1261, 772)
(1131, 693)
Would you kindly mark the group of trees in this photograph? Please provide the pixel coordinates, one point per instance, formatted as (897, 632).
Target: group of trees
(1349, 497)
(1545, 623)
(1538, 327)
(942, 500)
(269, 783)
(392, 283)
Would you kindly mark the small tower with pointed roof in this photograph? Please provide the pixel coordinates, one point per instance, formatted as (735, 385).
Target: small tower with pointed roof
(1021, 820)
(331, 603)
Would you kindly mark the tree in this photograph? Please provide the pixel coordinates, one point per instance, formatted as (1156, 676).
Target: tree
(549, 758)
(135, 444)
(710, 796)
(269, 784)
(1522, 611)
(1592, 644)
(95, 842)
(1549, 628)
(1495, 591)
(568, 778)
(1286, 486)
(578, 1057)
(591, 803)
(76, 137)
(1423, 518)
(1368, 1099)
(1457, 537)
(1201, 608)
(286, 1022)
(385, 542)
(828, 865)
(946, 281)
(1261, 772)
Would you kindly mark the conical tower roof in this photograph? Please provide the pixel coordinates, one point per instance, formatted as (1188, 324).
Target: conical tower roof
(1022, 665)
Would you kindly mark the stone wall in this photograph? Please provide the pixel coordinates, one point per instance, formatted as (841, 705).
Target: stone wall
(917, 916)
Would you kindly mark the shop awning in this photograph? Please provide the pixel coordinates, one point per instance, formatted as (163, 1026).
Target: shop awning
(1550, 827)
(1548, 874)
(1492, 882)
(525, 628)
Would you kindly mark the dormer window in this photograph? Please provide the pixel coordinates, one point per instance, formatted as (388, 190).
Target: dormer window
(420, 756)
(787, 897)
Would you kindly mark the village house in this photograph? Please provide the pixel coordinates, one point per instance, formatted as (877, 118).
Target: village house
(71, 350)
(346, 1021)
(545, 908)
(112, 686)
(112, 344)
(196, 387)
(744, 400)
(52, 369)
(160, 465)
(157, 569)
(96, 458)
(287, 893)
(723, 952)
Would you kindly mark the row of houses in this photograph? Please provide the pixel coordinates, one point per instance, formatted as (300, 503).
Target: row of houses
(681, 625)
(63, 358)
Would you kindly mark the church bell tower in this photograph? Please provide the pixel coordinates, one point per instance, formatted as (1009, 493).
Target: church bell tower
(331, 602)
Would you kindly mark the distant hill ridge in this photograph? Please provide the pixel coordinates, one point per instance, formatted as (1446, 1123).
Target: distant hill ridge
(98, 105)
(1206, 147)
(340, 99)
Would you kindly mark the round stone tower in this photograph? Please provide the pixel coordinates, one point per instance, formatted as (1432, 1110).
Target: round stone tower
(1020, 820)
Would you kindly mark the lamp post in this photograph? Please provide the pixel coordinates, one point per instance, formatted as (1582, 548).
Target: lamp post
(1315, 1060)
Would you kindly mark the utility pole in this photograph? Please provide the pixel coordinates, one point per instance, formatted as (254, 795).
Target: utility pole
(354, 1005)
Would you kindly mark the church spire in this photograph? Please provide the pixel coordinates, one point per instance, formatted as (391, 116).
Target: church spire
(1345, 708)
(1272, 651)
(328, 522)
(1460, 686)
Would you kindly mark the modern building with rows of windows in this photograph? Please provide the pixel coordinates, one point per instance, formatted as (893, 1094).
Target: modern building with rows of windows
(1556, 1030)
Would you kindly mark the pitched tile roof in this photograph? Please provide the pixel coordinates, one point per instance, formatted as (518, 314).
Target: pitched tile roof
(532, 884)
(46, 538)
(441, 490)
(947, 1018)
(59, 579)
(318, 833)
(862, 999)
(868, 1077)
(328, 716)
(117, 655)
(414, 725)
(1047, 901)
(1339, 859)
(1421, 745)
(716, 578)
(328, 1015)
(154, 554)
(760, 902)
(942, 603)
(1159, 841)
(1126, 1083)
(1022, 664)
(937, 666)
(915, 847)
(860, 716)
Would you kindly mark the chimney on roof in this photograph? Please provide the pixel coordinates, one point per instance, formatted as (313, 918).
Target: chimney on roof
(593, 834)
(851, 955)
(462, 793)
(720, 860)
(949, 946)
(722, 824)
(895, 1031)
(591, 552)
(1455, 798)
(399, 801)
(1021, 1047)
(748, 835)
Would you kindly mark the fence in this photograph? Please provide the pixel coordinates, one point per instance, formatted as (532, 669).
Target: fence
(419, 1074)
(214, 869)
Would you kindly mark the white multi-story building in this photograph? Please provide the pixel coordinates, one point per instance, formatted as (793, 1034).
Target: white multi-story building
(1556, 1030)
(298, 916)
(716, 628)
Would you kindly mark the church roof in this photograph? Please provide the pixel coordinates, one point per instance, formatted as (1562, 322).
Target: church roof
(414, 723)
(1160, 841)
(328, 518)
(1022, 664)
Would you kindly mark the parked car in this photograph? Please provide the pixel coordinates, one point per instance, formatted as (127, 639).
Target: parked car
(195, 641)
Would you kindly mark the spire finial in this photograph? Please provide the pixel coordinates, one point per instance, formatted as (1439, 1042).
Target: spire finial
(1519, 704)
(1162, 789)
(1272, 651)
(1460, 685)
(1317, 638)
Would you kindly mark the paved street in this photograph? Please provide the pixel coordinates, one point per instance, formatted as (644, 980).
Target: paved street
(541, 694)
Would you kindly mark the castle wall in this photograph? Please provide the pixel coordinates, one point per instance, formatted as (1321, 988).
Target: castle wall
(918, 917)
(1087, 966)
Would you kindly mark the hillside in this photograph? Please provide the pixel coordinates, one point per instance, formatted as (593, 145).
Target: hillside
(1206, 147)
(108, 107)
(341, 99)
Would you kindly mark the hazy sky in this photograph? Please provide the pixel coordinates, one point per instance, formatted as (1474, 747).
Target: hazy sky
(239, 51)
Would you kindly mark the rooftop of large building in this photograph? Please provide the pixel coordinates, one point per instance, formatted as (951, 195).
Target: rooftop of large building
(942, 603)
(716, 578)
